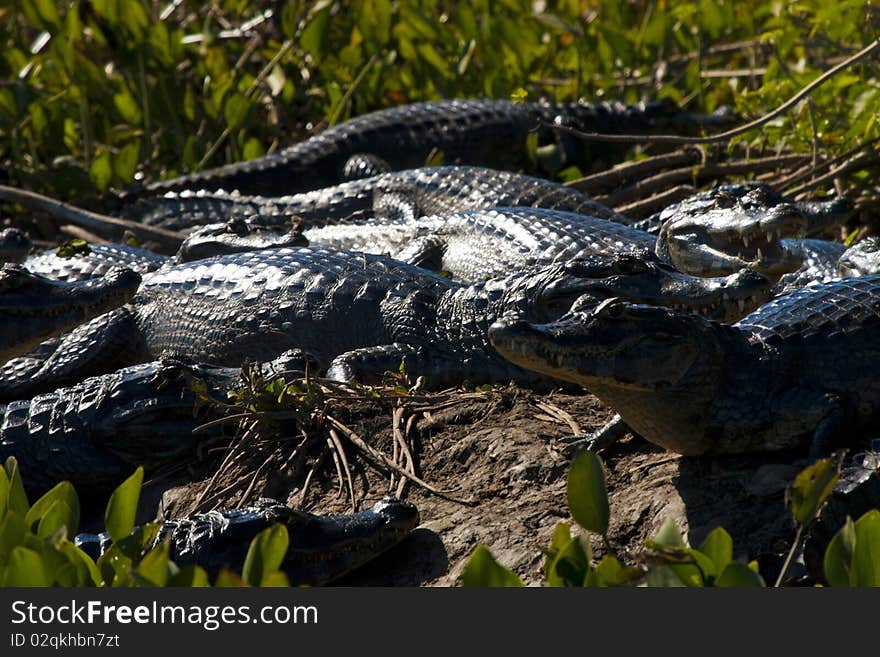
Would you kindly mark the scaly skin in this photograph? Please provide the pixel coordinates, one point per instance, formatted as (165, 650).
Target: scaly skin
(94, 433)
(321, 548)
(742, 225)
(800, 370)
(34, 308)
(401, 194)
(358, 315)
(482, 132)
(93, 262)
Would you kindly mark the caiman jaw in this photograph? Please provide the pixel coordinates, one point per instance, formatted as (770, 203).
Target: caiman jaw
(705, 247)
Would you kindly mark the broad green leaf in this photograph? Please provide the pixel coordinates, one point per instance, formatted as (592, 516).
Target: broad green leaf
(738, 575)
(235, 110)
(866, 558)
(101, 170)
(56, 518)
(571, 566)
(189, 577)
(4, 492)
(276, 579)
(12, 533)
(66, 495)
(126, 160)
(718, 546)
(18, 500)
(265, 554)
(662, 576)
(127, 106)
(314, 37)
(155, 565)
(43, 13)
(837, 562)
(87, 571)
(610, 572)
(227, 578)
(561, 537)
(587, 496)
(26, 568)
(482, 570)
(122, 507)
(811, 488)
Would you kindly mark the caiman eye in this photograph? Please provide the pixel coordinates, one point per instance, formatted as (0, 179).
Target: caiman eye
(613, 308)
(630, 265)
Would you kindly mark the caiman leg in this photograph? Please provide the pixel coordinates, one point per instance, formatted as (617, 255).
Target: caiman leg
(367, 365)
(610, 434)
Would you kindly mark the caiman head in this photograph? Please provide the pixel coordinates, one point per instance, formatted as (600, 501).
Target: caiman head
(34, 308)
(238, 235)
(549, 293)
(658, 367)
(323, 548)
(722, 234)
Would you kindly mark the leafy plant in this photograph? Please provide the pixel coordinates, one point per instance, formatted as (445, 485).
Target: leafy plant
(36, 546)
(852, 558)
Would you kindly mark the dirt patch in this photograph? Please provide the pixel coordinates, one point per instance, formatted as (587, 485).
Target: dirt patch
(504, 453)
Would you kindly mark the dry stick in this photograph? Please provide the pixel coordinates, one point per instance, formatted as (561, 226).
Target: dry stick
(850, 165)
(652, 204)
(83, 234)
(690, 174)
(110, 227)
(226, 460)
(244, 496)
(621, 173)
(727, 134)
(399, 435)
(339, 476)
(381, 458)
(561, 416)
(802, 174)
(315, 468)
(339, 448)
(395, 456)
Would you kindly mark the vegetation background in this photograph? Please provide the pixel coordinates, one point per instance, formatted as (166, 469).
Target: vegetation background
(98, 93)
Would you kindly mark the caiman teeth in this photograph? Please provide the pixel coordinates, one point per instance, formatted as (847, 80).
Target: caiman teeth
(746, 241)
(741, 304)
(760, 255)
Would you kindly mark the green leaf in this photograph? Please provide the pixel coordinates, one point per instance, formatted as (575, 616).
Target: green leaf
(63, 504)
(718, 546)
(43, 13)
(587, 496)
(189, 577)
(127, 106)
(610, 572)
(561, 537)
(155, 565)
(235, 110)
(12, 533)
(18, 500)
(265, 554)
(26, 568)
(276, 579)
(4, 492)
(739, 575)
(572, 564)
(101, 171)
(482, 570)
(314, 37)
(866, 558)
(227, 578)
(837, 562)
(126, 160)
(810, 489)
(87, 571)
(122, 507)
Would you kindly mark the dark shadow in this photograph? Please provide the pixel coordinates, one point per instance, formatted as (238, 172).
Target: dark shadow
(420, 557)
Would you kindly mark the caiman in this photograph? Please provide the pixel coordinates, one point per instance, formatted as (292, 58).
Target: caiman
(321, 548)
(489, 133)
(801, 370)
(358, 315)
(396, 195)
(94, 433)
(92, 261)
(34, 308)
